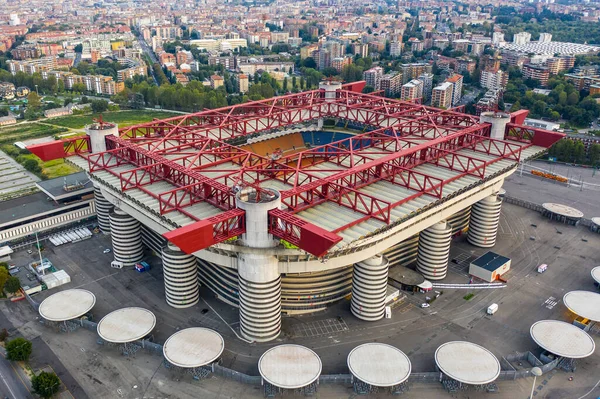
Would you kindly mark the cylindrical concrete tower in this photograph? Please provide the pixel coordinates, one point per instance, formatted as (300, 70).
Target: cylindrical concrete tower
(258, 274)
(103, 209)
(369, 288)
(98, 132)
(434, 251)
(499, 120)
(460, 220)
(126, 235)
(485, 218)
(181, 277)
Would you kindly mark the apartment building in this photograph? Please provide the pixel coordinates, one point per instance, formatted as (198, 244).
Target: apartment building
(412, 90)
(391, 83)
(493, 79)
(373, 77)
(427, 79)
(556, 65)
(441, 96)
(457, 83)
(129, 73)
(536, 72)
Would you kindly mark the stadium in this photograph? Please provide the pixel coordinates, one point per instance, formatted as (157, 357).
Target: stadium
(289, 204)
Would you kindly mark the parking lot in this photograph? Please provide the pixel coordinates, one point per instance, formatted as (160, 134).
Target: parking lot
(528, 297)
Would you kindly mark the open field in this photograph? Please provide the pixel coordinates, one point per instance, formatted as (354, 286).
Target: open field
(50, 169)
(23, 131)
(123, 118)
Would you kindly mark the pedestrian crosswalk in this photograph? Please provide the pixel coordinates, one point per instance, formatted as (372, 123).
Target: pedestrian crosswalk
(551, 302)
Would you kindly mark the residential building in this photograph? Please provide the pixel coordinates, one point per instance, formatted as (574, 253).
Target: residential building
(427, 79)
(391, 83)
(373, 77)
(412, 71)
(558, 64)
(7, 120)
(493, 79)
(129, 73)
(412, 90)
(361, 49)
(307, 51)
(441, 96)
(545, 38)
(536, 72)
(242, 80)
(340, 62)
(396, 49)
(457, 83)
(62, 111)
(522, 38)
(497, 38)
(216, 81)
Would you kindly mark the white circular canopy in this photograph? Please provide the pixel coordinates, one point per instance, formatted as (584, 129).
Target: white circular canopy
(562, 339)
(467, 362)
(290, 366)
(379, 364)
(585, 304)
(193, 347)
(126, 325)
(67, 305)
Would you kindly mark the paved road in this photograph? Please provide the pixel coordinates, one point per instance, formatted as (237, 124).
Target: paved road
(150, 53)
(11, 385)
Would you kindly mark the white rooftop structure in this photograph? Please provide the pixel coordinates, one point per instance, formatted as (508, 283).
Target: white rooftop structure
(562, 339)
(379, 364)
(596, 220)
(290, 366)
(126, 325)
(583, 303)
(467, 362)
(563, 210)
(596, 274)
(551, 48)
(67, 305)
(193, 347)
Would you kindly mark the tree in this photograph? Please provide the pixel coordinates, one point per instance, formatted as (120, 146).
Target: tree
(12, 285)
(3, 276)
(329, 71)
(309, 62)
(78, 48)
(45, 384)
(594, 154)
(285, 84)
(34, 101)
(34, 167)
(99, 106)
(18, 349)
(3, 335)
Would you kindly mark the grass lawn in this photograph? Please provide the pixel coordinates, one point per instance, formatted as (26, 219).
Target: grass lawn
(24, 131)
(51, 169)
(123, 118)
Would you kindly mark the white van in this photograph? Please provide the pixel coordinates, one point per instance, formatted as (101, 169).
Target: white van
(116, 265)
(493, 308)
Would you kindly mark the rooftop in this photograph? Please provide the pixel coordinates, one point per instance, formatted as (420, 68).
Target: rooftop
(490, 261)
(342, 191)
(66, 187)
(193, 347)
(126, 325)
(379, 364)
(467, 362)
(563, 210)
(585, 304)
(562, 339)
(290, 366)
(67, 305)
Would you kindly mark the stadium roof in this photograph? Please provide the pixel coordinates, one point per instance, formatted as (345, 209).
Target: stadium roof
(185, 170)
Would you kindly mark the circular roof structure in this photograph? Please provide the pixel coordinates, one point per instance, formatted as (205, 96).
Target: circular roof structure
(379, 364)
(563, 210)
(67, 305)
(596, 220)
(193, 347)
(126, 325)
(467, 362)
(562, 339)
(583, 303)
(290, 366)
(596, 274)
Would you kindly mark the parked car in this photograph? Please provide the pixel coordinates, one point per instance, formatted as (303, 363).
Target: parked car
(107, 250)
(424, 305)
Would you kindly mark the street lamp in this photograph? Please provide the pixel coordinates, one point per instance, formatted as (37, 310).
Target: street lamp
(537, 372)
(36, 90)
